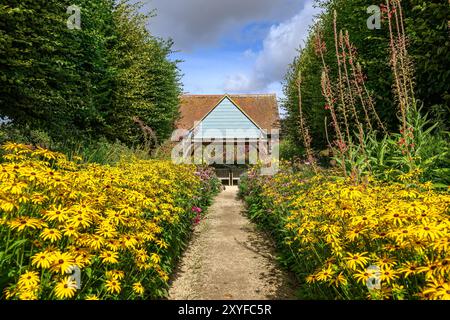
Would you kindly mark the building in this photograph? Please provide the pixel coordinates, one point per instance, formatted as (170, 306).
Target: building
(228, 131)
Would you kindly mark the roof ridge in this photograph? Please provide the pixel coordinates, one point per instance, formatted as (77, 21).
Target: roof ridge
(231, 95)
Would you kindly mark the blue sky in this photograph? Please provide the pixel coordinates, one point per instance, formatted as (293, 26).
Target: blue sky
(233, 46)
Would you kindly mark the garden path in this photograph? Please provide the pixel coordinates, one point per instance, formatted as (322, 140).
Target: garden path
(228, 258)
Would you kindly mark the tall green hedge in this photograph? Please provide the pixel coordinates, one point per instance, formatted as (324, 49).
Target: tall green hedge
(88, 82)
(427, 28)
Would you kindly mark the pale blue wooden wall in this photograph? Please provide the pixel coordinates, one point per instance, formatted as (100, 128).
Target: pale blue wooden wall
(227, 116)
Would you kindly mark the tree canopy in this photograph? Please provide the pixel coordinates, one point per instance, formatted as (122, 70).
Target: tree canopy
(91, 81)
(429, 46)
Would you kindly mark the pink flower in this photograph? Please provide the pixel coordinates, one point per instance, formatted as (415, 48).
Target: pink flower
(196, 209)
(197, 219)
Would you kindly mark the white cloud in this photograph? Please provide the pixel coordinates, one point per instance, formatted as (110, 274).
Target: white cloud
(249, 54)
(279, 49)
(191, 23)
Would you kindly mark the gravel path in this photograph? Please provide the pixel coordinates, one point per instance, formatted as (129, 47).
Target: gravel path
(228, 258)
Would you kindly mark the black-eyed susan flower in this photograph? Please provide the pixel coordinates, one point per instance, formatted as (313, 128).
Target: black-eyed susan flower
(115, 274)
(109, 257)
(95, 242)
(129, 241)
(51, 234)
(80, 221)
(409, 268)
(429, 231)
(57, 213)
(91, 297)
(9, 293)
(38, 198)
(8, 205)
(354, 260)
(362, 276)
(311, 278)
(62, 262)
(27, 295)
(138, 288)
(325, 274)
(42, 260)
(430, 268)
(23, 223)
(339, 280)
(29, 279)
(443, 291)
(388, 275)
(113, 286)
(14, 147)
(155, 258)
(45, 153)
(66, 288)
(70, 231)
(385, 261)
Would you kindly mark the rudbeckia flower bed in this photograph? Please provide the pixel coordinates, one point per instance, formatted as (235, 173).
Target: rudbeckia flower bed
(70, 230)
(356, 241)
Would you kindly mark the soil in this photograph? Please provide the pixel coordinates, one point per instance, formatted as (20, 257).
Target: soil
(229, 258)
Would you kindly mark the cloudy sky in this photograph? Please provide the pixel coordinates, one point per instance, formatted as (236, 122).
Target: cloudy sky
(233, 46)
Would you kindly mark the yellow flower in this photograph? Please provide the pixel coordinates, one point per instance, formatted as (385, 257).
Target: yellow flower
(8, 206)
(429, 231)
(29, 279)
(91, 297)
(24, 222)
(155, 258)
(51, 234)
(409, 269)
(129, 241)
(38, 198)
(443, 291)
(325, 274)
(66, 288)
(354, 260)
(80, 220)
(115, 274)
(47, 154)
(437, 289)
(42, 260)
(28, 295)
(340, 280)
(429, 269)
(95, 242)
(61, 262)
(70, 231)
(58, 213)
(362, 276)
(387, 274)
(138, 288)
(113, 286)
(109, 257)
(311, 278)
(15, 188)
(15, 147)
(385, 261)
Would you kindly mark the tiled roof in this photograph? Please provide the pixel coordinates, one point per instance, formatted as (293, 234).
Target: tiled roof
(261, 108)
